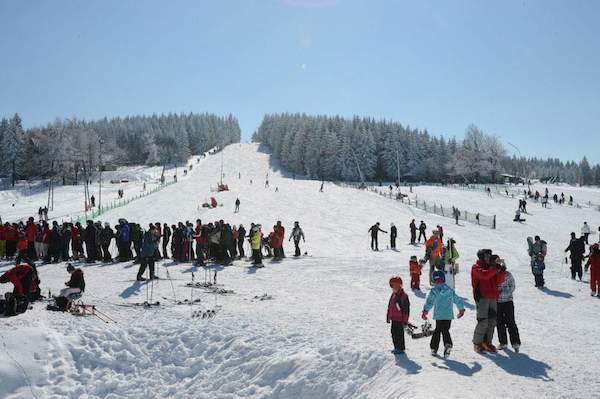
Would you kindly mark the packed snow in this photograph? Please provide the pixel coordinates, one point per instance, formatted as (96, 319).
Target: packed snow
(320, 330)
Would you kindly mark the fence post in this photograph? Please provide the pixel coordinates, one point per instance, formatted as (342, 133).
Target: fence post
(494, 223)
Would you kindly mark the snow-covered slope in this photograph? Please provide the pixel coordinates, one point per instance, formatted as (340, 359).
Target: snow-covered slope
(323, 333)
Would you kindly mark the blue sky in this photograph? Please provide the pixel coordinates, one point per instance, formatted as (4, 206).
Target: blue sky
(528, 71)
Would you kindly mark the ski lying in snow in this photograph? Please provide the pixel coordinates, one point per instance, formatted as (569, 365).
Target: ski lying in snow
(203, 285)
(204, 314)
(141, 304)
(415, 332)
(263, 297)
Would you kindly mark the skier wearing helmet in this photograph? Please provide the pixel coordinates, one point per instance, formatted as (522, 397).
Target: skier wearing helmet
(397, 314)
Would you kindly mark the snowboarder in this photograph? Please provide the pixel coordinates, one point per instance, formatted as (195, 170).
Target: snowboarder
(393, 235)
(537, 252)
(413, 232)
(398, 312)
(237, 205)
(506, 308)
(593, 264)
(450, 257)
(484, 281)
(585, 230)
(422, 231)
(374, 230)
(441, 297)
(414, 268)
(577, 252)
(297, 234)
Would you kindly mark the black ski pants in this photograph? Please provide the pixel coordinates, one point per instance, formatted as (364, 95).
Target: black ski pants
(297, 251)
(106, 253)
(398, 335)
(506, 321)
(146, 261)
(442, 327)
(413, 236)
(165, 243)
(374, 243)
(422, 234)
(576, 268)
(240, 245)
(256, 256)
(393, 242)
(539, 280)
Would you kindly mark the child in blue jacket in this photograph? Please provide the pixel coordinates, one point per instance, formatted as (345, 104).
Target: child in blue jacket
(441, 297)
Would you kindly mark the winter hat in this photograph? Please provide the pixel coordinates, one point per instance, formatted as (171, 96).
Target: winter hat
(482, 252)
(395, 281)
(70, 268)
(413, 258)
(438, 275)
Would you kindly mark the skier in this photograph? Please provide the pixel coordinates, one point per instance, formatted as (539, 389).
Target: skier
(76, 284)
(166, 235)
(240, 243)
(255, 243)
(297, 234)
(456, 214)
(90, 242)
(237, 205)
(484, 281)
(393, 235)
(374, 230)
(413, 232)
(577, 252)
(414, 267)
(93, 201)
(422, 231)
(506, 308)
(149, 245)
(398, 312)
(537, 252)
(585, 230)
(441, 297)
(593, 264)
(281, 238)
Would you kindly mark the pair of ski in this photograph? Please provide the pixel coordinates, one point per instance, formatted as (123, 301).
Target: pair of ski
(144, 304)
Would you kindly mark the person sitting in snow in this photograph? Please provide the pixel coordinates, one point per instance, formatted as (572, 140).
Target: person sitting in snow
(441, 297)
(76, 284)
(397, 313)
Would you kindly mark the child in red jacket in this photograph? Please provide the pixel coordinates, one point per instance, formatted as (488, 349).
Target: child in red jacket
(415, 273)
(397, 313)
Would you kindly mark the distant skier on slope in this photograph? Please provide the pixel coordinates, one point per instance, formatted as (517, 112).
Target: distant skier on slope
(297, 234)
(374, 230)
(393, 235)
(422, 231)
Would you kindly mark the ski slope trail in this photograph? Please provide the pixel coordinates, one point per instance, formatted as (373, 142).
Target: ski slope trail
(321, 331)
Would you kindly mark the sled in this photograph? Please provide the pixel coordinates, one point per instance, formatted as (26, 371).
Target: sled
(419, 332)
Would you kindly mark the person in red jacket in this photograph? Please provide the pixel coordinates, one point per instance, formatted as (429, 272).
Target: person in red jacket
(281, 232)
(24, 279)
(275, 241)
(484, 279)
(2, 241)
(594, 266)
(11, 235)
(398, 312)
(30, 233)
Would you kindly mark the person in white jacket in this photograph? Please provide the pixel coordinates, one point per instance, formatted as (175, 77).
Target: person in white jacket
(506, 309)
(585, 230)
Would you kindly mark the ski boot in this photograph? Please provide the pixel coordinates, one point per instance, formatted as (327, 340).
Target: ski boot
(434, 352)
(447, 350)
(488, 347)
(478, 348)
(502, 346)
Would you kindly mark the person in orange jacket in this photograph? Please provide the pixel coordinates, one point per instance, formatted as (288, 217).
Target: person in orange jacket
(433, 252)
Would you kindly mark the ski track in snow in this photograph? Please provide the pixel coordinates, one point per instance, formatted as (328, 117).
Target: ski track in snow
(323, 335)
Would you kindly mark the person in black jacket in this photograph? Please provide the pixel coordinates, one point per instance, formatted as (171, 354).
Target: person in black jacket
(393, 235)
(90, 242)
(166, 236)
(106, 236)
(374, 230)
(422, 230)
(227, 244)
(240, 242)
(413, 232)
(577, 252)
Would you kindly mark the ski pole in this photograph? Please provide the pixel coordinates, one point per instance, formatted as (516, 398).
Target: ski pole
(172, 287)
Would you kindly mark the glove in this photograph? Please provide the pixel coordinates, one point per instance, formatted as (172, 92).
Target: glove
(424, 315)
(461, 313)
(388, 321)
